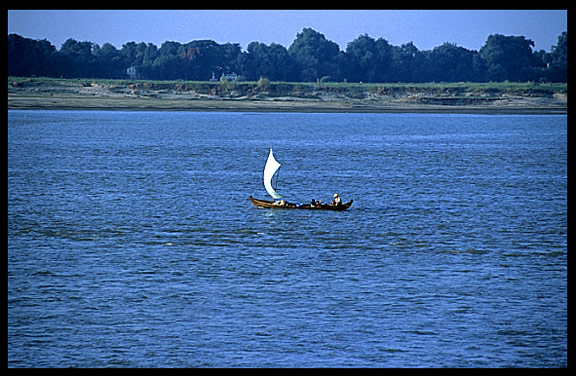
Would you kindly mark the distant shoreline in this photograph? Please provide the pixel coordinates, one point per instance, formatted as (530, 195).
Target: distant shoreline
(62, 94)
(93, 104)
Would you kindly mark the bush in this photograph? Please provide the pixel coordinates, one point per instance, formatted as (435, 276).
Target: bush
(263, 84)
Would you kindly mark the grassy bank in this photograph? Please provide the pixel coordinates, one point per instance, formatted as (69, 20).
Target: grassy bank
(285, 96)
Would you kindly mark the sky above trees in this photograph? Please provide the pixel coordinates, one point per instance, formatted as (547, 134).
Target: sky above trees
(425, 28)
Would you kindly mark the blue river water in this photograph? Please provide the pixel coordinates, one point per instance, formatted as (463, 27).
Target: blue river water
(132, 242)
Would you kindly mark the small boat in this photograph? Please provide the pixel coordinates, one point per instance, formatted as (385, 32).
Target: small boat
(287, 205)
(270, 171)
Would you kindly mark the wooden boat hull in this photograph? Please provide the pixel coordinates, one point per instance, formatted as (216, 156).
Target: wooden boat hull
(274, 205)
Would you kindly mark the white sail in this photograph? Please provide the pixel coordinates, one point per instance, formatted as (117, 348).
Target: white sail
(270, 169)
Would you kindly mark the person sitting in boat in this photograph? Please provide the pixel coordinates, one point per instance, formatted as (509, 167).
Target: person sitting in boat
(313, 203)
(337, 200)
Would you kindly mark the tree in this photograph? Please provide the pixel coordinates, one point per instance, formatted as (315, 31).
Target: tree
(133, 53)
(450, 63)
(165, 67)
(202, 57)
(28, 57)
(75, 59)
(369, 60)
(314, 55)
(272, 62)
(406, 60)
(311, 57)
(508, 57)
(558, 69)
(169, 48)
(109, 61)
(230, 54)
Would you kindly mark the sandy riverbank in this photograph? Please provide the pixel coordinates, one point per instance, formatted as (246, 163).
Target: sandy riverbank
(94, 95)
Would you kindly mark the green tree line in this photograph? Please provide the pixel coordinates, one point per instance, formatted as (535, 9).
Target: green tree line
(310, 57)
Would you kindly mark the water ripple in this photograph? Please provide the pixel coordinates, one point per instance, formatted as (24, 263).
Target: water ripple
(132, 242)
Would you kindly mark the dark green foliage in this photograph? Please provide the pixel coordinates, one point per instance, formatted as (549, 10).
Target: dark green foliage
(559, 60)
(315, 56)
(272, 62)
(368, 60)
(310, 58)
(449, 62)
(509, 58)
(28, 57)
